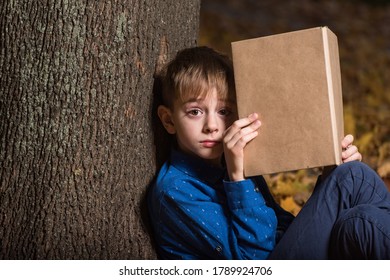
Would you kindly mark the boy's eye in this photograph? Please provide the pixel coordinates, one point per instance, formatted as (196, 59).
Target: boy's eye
(194, 112)
(224, 112)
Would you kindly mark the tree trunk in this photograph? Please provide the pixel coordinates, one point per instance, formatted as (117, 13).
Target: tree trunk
(77, 151)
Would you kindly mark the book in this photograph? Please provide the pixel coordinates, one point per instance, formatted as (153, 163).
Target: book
(293, 81)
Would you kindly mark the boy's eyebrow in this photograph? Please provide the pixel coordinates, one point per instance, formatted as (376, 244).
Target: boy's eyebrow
(191, 100)
(199, 99)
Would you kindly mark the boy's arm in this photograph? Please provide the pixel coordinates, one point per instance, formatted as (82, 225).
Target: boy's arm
(284, 217)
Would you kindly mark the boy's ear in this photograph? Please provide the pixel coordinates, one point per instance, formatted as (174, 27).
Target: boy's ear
(165, 115)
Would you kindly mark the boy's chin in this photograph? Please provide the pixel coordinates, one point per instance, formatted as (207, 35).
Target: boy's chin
(212, 157)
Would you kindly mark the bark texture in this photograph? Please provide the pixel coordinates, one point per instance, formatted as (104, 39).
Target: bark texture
(76, 136)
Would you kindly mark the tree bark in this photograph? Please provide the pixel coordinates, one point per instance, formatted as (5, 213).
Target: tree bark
(77, 151)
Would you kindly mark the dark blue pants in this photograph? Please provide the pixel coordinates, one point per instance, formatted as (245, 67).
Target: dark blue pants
(346, 217)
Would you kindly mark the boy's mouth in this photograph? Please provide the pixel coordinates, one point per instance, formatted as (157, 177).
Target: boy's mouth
(209, 143)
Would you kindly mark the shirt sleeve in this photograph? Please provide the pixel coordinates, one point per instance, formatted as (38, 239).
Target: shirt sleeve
(284, 217)
(193, 225)
(253, 222)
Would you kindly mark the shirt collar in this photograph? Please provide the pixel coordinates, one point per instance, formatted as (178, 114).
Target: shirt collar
(197, 167)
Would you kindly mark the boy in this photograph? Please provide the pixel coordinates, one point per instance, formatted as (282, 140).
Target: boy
(202, 206)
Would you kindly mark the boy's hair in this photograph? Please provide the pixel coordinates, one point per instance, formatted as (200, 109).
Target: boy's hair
(193, 72)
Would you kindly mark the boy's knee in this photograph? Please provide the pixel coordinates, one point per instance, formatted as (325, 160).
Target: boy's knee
(355, 175)
(361, 233)
(352, 169)
(358, 184)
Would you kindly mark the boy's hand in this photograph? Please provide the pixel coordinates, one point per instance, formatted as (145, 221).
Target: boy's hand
(350, 152)
(235, 139)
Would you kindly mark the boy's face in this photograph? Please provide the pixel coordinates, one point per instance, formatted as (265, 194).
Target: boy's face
(199, 123)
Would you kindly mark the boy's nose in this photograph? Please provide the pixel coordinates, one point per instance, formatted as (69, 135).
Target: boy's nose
(211, 124)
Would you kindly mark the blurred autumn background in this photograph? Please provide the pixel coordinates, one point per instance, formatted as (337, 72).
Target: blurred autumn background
(363, 31)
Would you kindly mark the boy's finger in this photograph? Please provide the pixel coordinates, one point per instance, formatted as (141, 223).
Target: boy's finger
(246, 139)
(347, 141)
(354, 157)
(239, 124)
(349, 152)
(244, 135)
(245, 121)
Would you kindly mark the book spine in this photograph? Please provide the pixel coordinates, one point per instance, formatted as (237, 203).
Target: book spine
(329, 78)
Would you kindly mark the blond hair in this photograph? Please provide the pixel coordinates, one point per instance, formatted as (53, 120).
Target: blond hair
(194, 72)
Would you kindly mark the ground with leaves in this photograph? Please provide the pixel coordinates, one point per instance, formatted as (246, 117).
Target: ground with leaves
(364, 43)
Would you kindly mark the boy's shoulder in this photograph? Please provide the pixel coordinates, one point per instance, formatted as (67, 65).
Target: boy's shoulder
(168, 173)
(171, 178)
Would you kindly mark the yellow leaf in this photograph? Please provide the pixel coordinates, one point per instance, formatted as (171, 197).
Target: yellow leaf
(365, 141)
(289, 205)
(384, 170)
(349, 121)
(384, 153)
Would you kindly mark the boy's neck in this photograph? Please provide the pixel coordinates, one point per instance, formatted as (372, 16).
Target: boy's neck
(217, 162)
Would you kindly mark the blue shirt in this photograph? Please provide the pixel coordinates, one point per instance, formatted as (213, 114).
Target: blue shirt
(196, 214)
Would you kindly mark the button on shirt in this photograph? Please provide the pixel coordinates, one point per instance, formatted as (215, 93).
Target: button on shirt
(196, 214)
